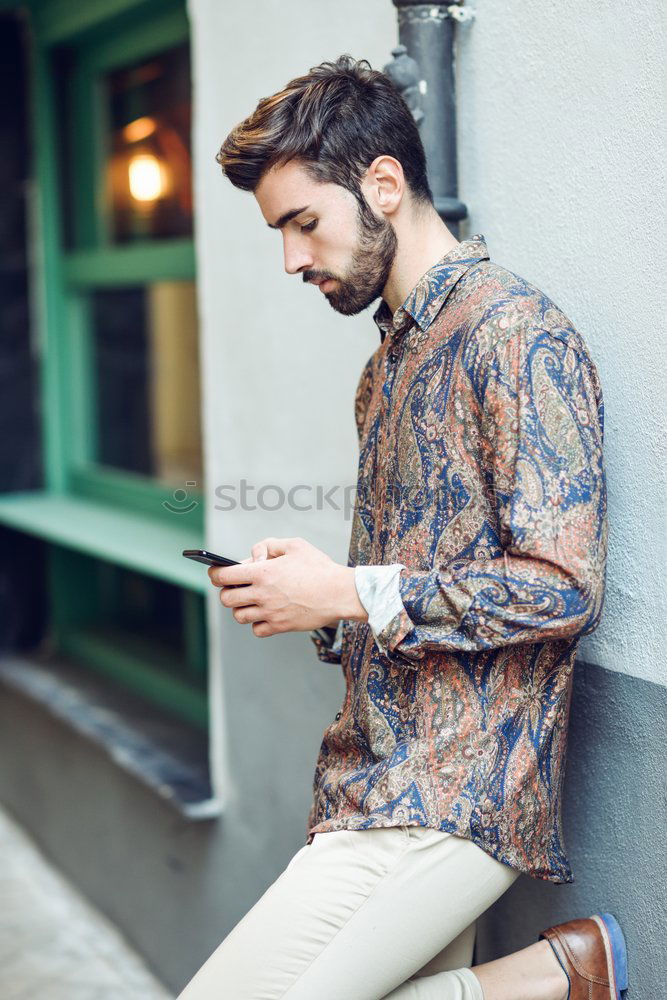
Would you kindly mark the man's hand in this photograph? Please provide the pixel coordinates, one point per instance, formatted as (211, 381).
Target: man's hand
(288, 585)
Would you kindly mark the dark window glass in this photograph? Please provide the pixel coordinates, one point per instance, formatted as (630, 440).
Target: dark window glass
(149, 167)
(144, 607)
(126, 617)
(146, 380)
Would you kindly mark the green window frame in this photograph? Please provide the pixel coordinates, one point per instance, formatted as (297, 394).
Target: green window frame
(86, 509)
(96, 263)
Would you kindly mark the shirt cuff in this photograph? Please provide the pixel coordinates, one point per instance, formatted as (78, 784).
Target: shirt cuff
(379, 593)
(328, 642)
(330, 636)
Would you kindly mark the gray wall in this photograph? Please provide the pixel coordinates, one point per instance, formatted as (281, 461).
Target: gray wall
(561, 163)
(559, 166)
(280, 367)
(560, 160)
(615, 817)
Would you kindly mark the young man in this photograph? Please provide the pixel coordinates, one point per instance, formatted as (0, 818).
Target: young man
(477, 560)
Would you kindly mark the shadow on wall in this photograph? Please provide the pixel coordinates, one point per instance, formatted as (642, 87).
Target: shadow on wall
(615, 817)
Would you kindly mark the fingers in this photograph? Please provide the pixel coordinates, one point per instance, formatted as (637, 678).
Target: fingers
(263, 630)
(235, 582)
(233, 576)
(219, 575)
(246, 616)
(259, 551)
(237, 597)
(269, 548)
(253, 615)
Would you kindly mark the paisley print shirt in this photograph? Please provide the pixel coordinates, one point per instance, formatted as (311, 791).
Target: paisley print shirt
(480, 423)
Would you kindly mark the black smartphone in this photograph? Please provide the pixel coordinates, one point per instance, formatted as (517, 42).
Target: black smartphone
(209, 558)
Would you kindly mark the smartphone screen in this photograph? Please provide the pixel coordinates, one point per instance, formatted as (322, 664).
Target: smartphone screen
(209, 558)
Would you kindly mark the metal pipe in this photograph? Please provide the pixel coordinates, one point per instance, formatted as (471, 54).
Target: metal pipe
(423, 69)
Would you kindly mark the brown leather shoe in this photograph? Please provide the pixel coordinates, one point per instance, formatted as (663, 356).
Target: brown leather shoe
(593, 955)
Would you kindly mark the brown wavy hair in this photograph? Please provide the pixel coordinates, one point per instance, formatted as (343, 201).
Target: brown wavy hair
(336, 120)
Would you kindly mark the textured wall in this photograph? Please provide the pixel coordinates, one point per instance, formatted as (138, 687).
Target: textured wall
(561, 163)
(280, 369)
(280, 365)
(615, 815)
(559, 166)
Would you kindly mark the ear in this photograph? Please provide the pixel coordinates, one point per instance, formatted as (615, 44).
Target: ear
(384, 185)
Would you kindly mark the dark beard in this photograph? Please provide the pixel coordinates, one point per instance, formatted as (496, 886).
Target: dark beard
(371, 263)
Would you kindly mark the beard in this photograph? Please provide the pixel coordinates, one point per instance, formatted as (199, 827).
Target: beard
(370, 267)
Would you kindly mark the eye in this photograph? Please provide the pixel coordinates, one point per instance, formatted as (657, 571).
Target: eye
(308, 228)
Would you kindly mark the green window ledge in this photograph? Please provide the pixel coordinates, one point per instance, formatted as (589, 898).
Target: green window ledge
(119, 536)
(133, 265)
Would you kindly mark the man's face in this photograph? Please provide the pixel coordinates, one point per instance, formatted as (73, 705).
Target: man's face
(327, 237)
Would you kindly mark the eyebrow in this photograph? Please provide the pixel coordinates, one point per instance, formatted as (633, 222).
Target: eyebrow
(287, 217)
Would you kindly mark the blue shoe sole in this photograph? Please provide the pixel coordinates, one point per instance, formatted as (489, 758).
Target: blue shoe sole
(619, 952)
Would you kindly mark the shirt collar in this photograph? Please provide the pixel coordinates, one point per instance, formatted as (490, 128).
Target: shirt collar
(429, 294)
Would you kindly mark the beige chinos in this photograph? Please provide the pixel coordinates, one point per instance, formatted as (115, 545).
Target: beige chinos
(362, 915)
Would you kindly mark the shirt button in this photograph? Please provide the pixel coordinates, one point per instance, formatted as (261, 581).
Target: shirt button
(338, 715)
(393, 356)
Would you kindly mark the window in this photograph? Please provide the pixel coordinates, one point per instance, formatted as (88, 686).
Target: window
(148, 171)
(145, 380)
(145, 634)
(125, 182)
(121, 398)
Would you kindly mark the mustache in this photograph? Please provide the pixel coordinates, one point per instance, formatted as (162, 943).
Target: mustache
(318, 276)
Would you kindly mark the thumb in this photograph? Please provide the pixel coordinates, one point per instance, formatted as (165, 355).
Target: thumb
(259, 551)
(269, 548)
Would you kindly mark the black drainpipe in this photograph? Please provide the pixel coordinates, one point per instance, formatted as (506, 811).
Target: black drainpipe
(423, 69)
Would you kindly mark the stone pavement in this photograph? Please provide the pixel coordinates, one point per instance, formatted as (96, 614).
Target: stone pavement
(53, 944)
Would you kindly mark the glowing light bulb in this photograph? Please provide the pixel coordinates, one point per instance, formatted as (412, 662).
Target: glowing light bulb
(146, 177)
(139, 129)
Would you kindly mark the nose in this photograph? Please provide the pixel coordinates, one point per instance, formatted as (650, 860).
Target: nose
(296, 253)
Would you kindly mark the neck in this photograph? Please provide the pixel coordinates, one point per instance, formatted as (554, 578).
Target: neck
(422, 241)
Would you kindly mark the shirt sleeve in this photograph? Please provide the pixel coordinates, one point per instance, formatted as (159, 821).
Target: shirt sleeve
(379, 593)
(541, 418)
(328, 642)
